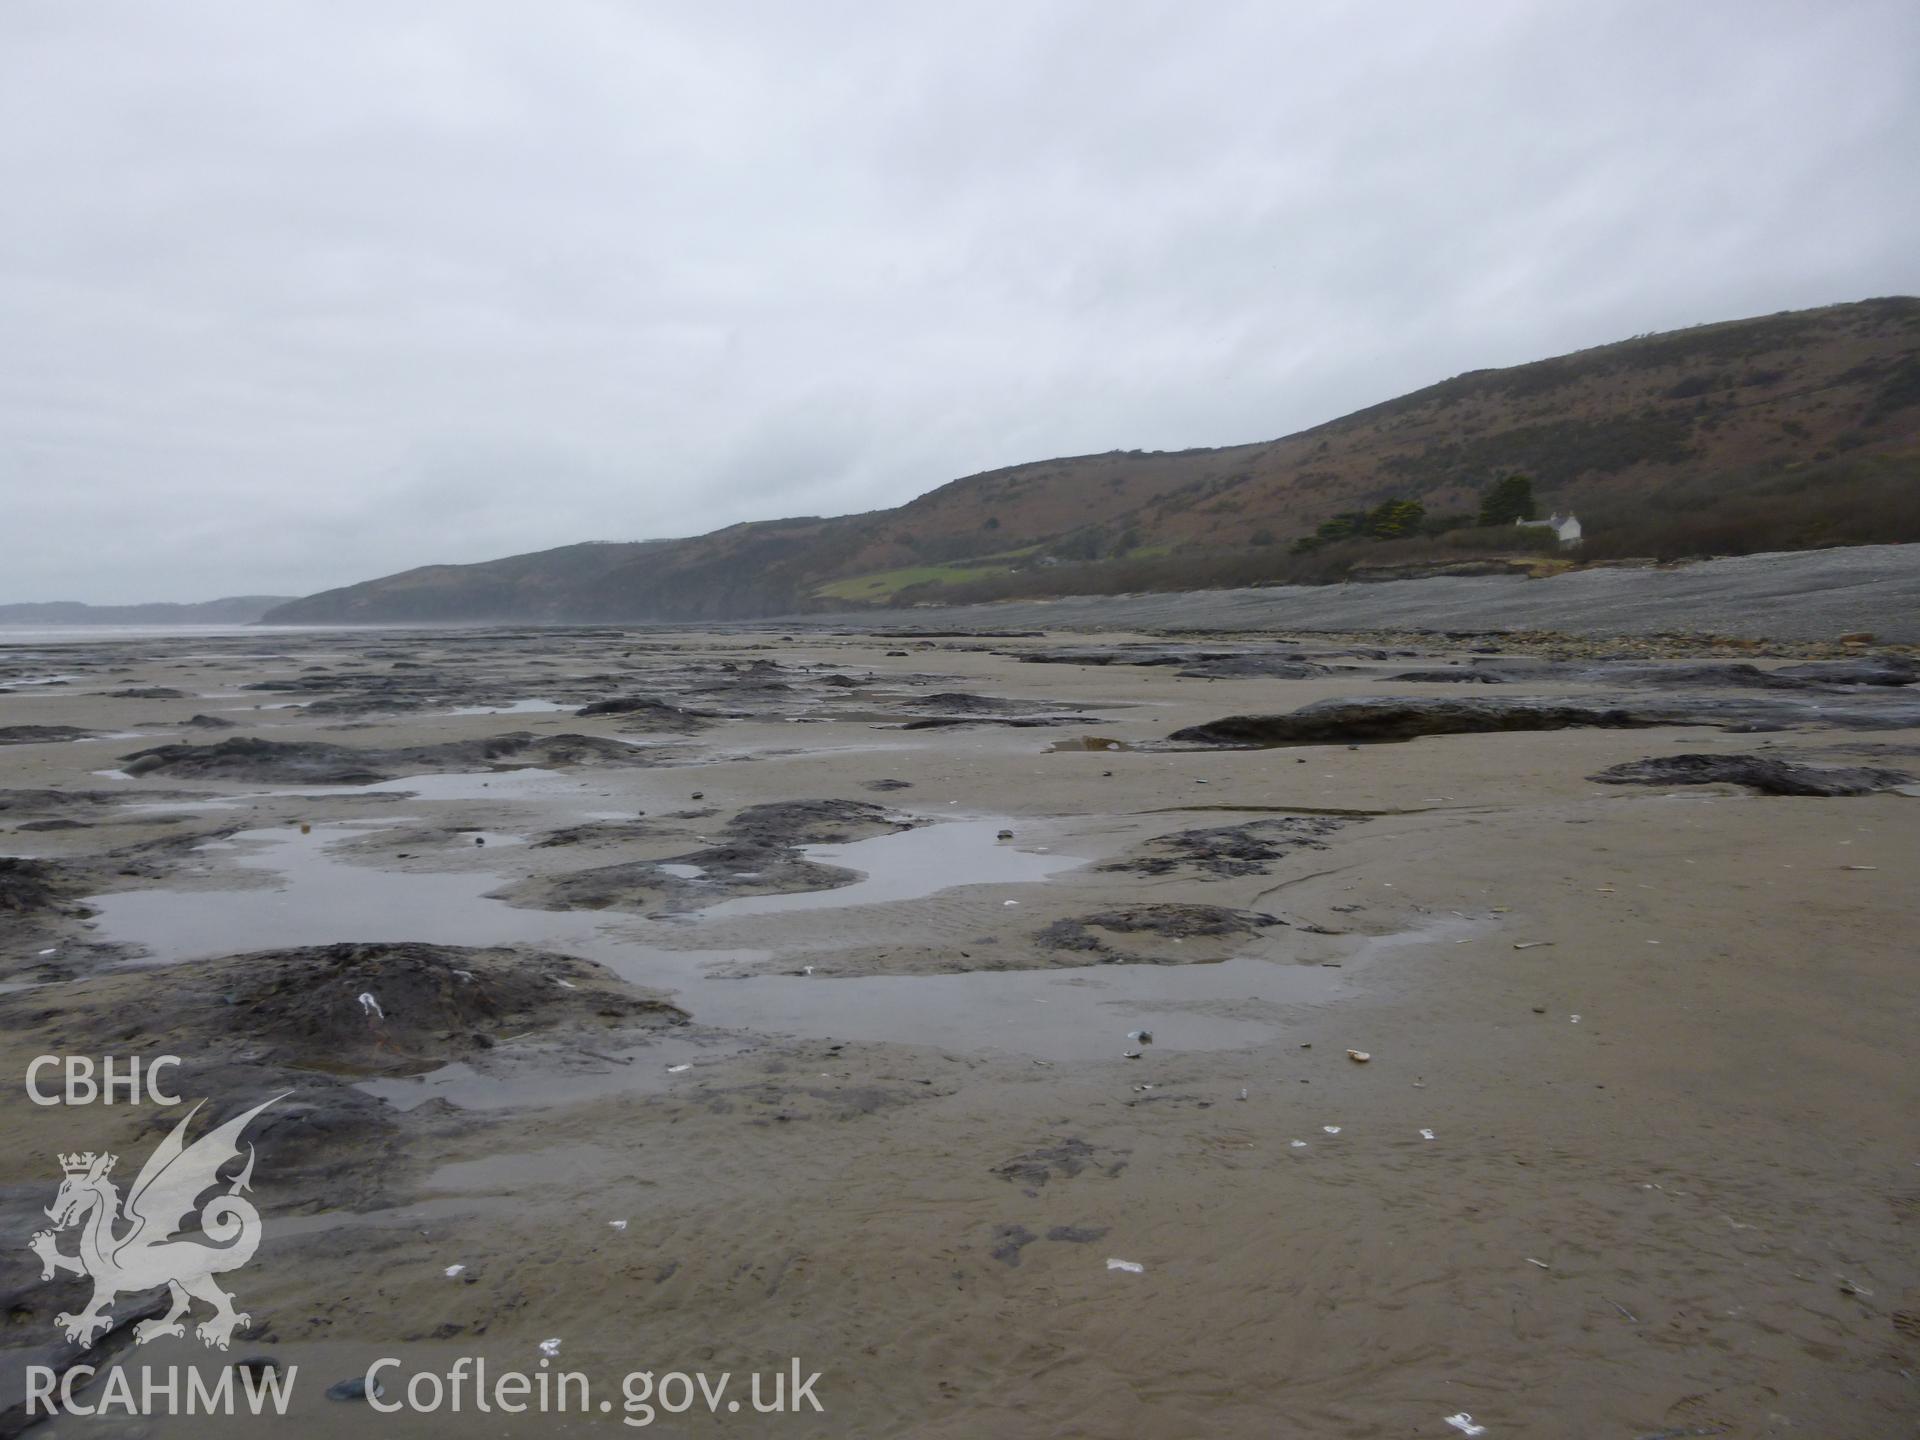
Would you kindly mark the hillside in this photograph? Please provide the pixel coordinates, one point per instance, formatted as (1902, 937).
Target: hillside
(232, 610)
(1785, 431)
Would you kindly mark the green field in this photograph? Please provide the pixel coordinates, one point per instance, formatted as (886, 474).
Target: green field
(883, 585)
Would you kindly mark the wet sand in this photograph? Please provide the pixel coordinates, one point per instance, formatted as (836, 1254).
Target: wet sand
(1660, 1035)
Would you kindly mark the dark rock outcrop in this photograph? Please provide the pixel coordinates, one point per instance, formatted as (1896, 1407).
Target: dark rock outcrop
(1328, 722)
(639, 713)
(1254, 667)
(29, 887)
(1155, 922)
(1864, 670)
(263, 760)
(40, 734)
(1379, 718)
(706, 877)
(426, 1005)
(959, 702)
(318, 763)
(1452, 675)
(1228, 850)
(1756, 772)
(814, 822)
(1012, 722)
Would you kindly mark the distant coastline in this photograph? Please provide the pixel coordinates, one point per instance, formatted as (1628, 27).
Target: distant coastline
(230, 610)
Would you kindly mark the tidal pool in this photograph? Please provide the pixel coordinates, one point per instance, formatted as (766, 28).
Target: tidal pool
(1056, 1014)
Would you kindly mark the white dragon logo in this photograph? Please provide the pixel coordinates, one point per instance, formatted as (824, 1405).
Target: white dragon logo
(146, 1256)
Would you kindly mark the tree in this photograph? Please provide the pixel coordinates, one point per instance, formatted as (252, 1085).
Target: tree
(1507, 500)
(1391, 519)
(1344, 526)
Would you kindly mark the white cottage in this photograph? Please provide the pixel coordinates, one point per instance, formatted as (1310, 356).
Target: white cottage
(1566, 528)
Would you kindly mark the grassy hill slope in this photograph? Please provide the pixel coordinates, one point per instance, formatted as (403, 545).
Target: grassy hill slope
(1784, 431)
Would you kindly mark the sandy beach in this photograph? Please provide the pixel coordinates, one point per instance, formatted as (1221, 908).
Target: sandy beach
(858, 998)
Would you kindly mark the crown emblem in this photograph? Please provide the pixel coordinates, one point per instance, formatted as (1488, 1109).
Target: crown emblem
(81, 1163)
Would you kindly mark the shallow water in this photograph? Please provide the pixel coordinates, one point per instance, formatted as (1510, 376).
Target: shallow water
(908, 865)
(526, 783)
(515, 707)
(323, 899)
(1071, 1013)
(466, 785)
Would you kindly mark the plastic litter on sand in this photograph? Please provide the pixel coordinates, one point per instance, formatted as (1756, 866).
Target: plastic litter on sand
(1132, 1267)
(1463, 1422)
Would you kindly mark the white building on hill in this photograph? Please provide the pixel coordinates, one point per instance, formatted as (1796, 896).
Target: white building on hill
(1566, 528)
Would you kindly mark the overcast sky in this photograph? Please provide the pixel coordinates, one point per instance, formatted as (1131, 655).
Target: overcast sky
(298, 294)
